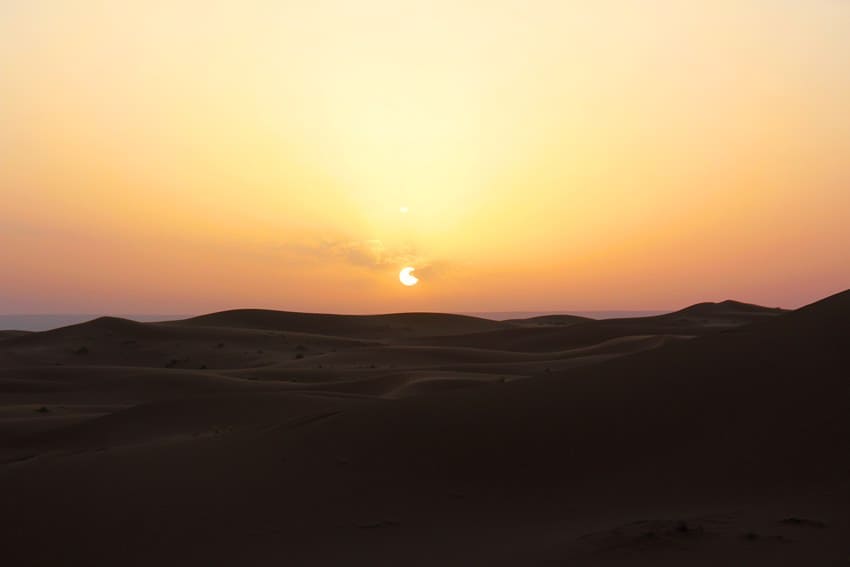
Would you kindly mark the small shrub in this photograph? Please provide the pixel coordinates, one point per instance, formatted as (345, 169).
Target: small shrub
(82, 350)
(299, 355)
(794, 521)
(42, 409)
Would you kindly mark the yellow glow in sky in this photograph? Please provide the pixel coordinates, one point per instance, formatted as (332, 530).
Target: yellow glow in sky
(164, 156)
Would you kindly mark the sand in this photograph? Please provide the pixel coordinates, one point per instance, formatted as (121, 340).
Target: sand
(716, 435)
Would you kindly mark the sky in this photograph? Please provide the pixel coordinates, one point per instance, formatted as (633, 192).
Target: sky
(185, 156)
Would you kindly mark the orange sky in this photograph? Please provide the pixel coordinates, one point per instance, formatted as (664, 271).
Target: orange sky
(161, 156)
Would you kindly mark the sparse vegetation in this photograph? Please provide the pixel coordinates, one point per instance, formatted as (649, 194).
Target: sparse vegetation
(43, 409)
(299, 355)
(793, 521)
(83, 350)
(381, 524)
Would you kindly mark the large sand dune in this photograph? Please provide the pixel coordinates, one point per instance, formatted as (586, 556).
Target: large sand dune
(370, 326)
(716, 435)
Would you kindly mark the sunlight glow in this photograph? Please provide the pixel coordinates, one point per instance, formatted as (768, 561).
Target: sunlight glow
(567, 153)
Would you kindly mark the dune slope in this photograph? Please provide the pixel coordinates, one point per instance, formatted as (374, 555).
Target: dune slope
(722, 449)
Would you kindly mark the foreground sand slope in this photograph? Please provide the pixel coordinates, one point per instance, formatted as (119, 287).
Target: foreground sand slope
(729, 448)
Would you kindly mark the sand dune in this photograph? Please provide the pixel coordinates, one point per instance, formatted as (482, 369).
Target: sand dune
(12, 334)
(700, 319)
(645, 448)
(119, 342)
(548, 321)
(362, 326)
(462, 358)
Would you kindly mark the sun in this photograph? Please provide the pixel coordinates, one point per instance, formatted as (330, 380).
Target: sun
(405, 277)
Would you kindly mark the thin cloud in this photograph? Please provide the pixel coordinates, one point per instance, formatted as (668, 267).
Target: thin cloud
(370, 254)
